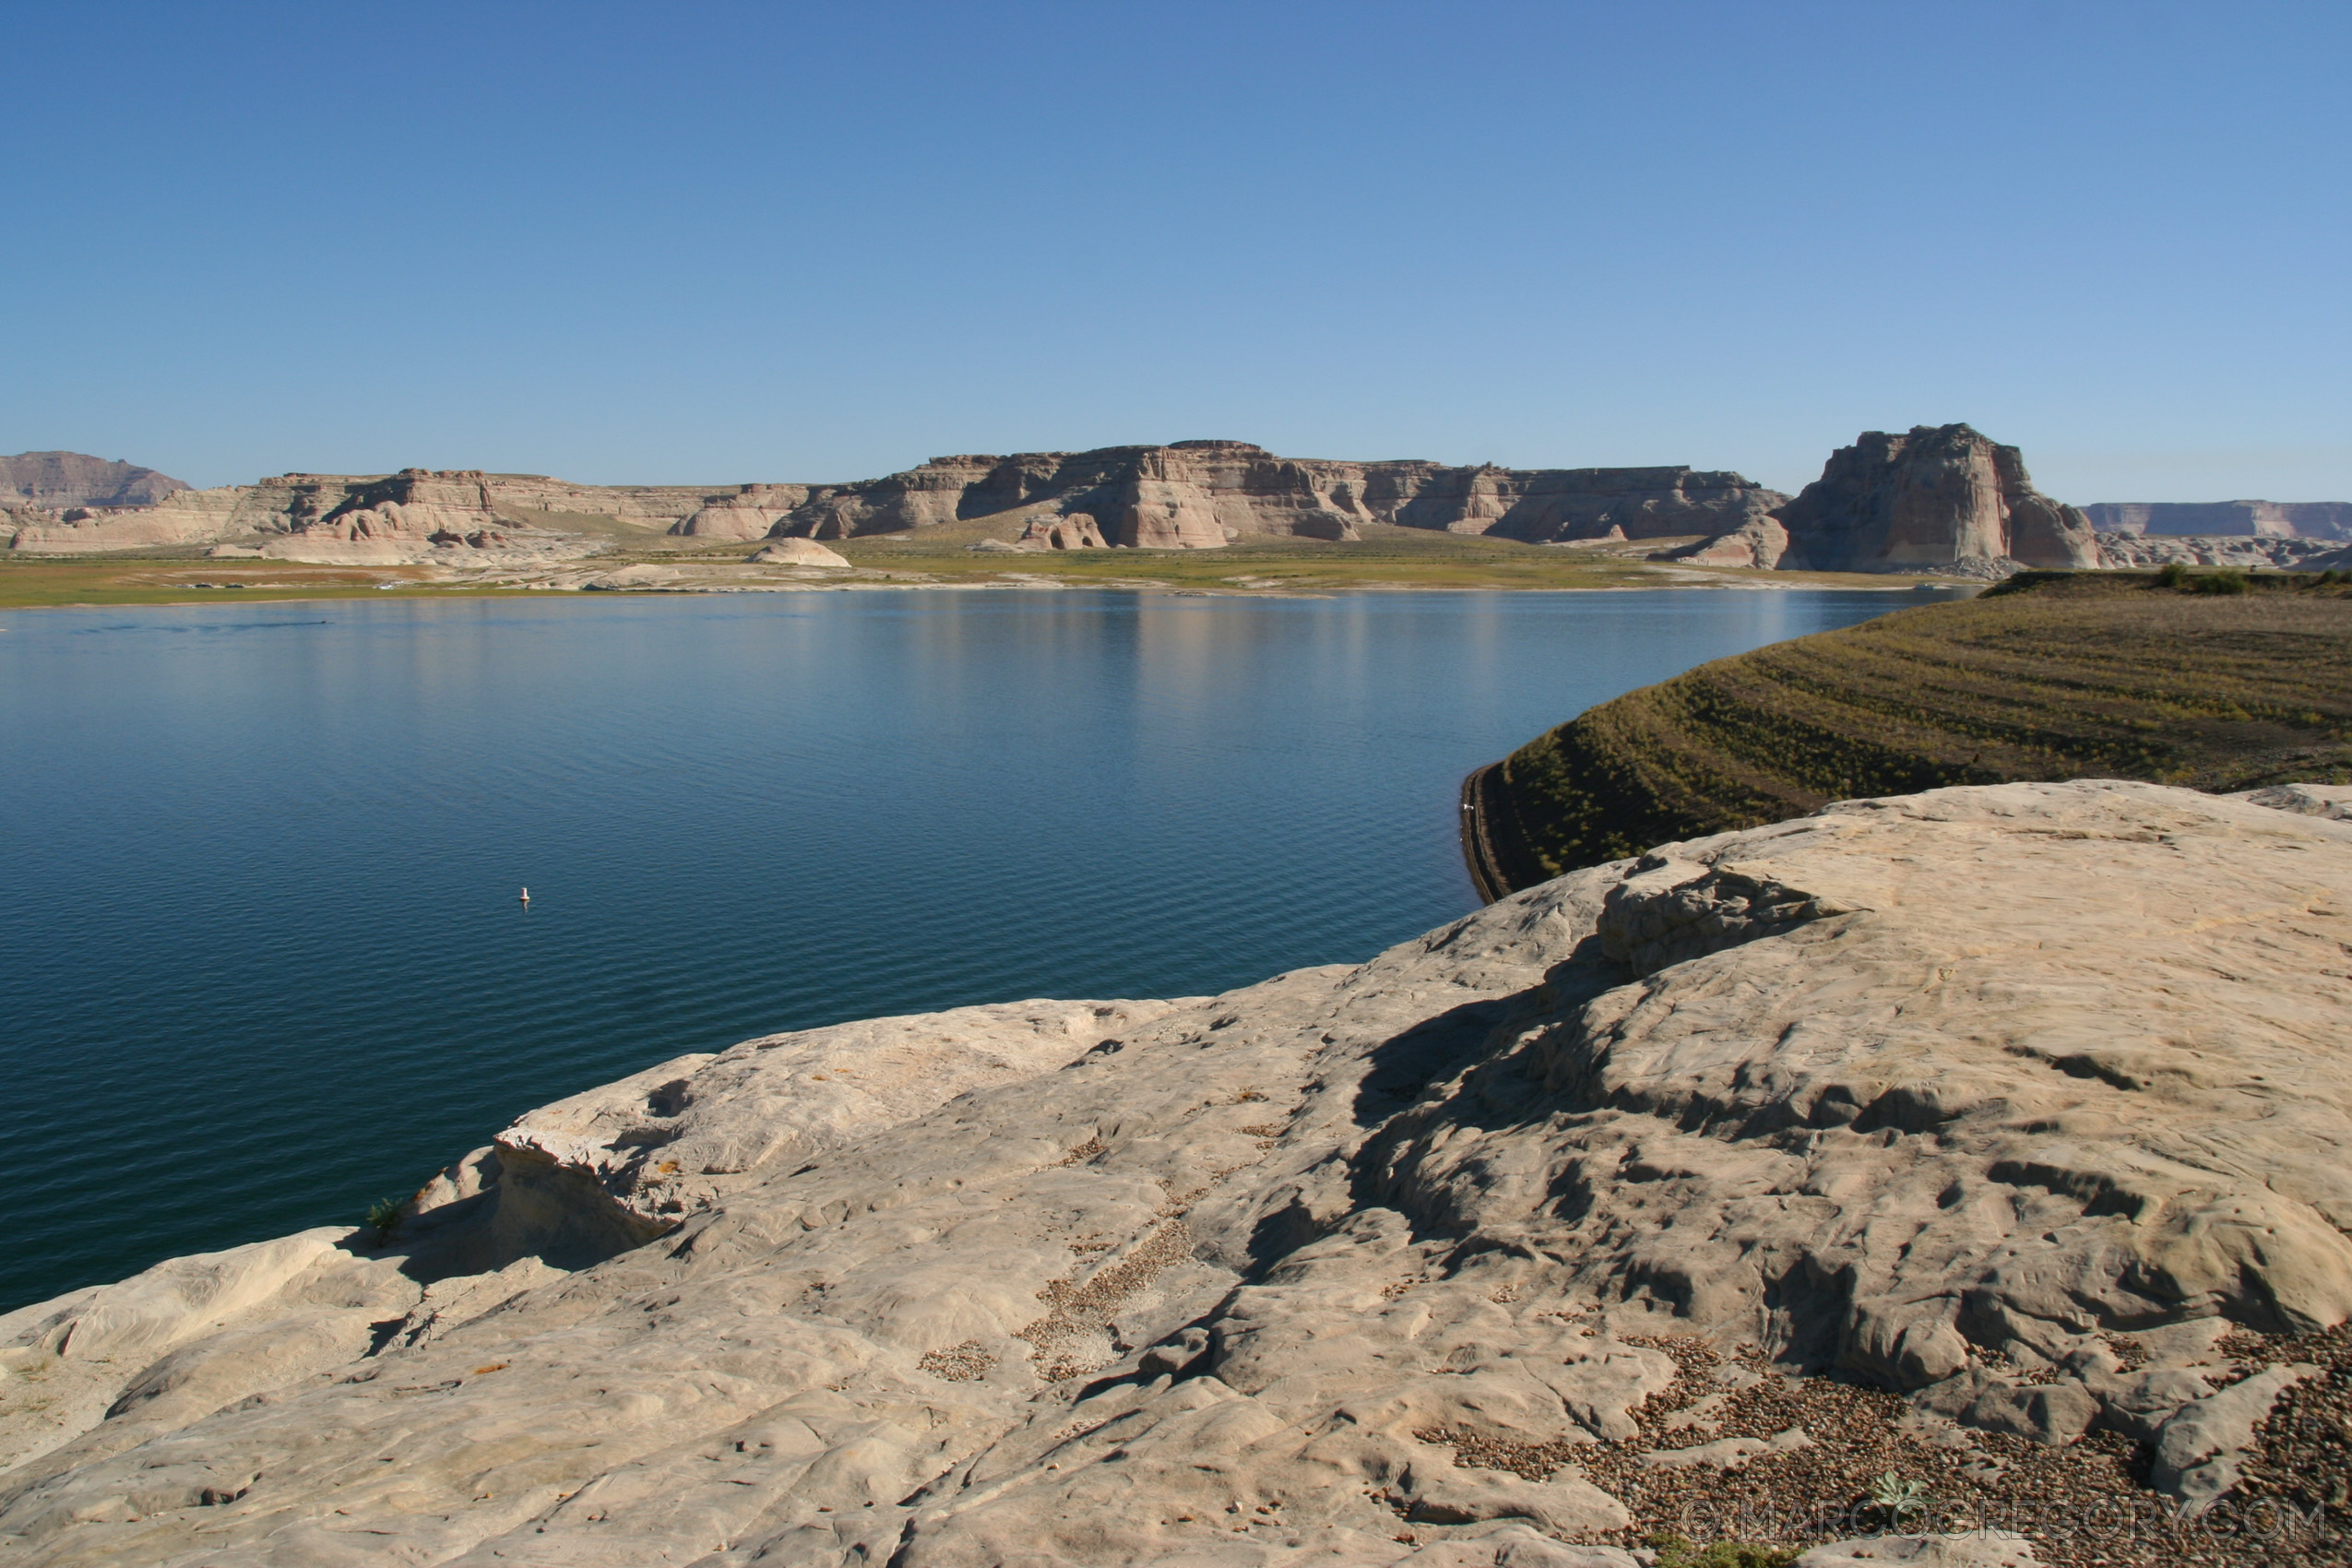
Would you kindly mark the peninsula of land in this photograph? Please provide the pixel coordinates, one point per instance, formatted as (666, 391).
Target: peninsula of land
(2218, 681)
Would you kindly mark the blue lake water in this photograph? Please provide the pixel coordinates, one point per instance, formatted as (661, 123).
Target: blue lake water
(261, 958)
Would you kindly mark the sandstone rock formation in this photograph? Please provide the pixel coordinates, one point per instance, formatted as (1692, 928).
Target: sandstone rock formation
(1190, 495)
(2016, 1097)
(2250, 519)
(751, 513)
(1760, 542)
(798, 552)
(1930, 500)
(56, 481)
(417, 515)
(1199, 495)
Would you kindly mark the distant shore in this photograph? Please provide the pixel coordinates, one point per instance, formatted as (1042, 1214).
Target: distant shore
(1284, 570)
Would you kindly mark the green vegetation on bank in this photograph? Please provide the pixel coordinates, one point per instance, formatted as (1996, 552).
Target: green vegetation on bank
(2215, 681)
(36, 582)
(1386, 558)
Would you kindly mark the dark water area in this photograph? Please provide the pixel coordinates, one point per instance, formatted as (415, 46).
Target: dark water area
(261, 955)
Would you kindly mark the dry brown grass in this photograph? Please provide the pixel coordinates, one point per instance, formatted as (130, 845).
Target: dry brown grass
(2111, 676)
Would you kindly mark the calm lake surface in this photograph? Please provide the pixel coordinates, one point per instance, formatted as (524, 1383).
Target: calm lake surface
(261, 958)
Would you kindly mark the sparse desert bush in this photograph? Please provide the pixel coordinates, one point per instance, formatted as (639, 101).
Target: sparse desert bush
(1674, 1551)
(384, 1217)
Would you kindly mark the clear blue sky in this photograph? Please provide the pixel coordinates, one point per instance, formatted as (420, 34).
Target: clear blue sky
(709, 242)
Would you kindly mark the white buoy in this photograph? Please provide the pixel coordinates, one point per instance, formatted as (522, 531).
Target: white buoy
(527, 895)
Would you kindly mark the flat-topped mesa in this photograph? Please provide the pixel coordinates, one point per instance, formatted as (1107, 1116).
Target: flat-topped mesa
(1932, 499)
(1201, 494)
(415, 515)
(1197, 494)
(2224, 519)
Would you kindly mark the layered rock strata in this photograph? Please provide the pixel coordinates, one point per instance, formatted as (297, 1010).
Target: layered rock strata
(2243, 552)
(2246, 520)
(417, 515)
(1195, 494)
(55, 480)
(1941, 500)
(2015, 1098)
(1930, 499)
(1199, 495)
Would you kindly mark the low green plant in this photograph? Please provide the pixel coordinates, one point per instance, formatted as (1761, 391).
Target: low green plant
(384, 1217)
(2174, 575)
(1674, 1551)
(2219, 582)
(1901, 1501)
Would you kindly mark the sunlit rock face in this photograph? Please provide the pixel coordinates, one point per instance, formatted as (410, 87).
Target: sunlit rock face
(1930, 499)
(2013, 1098)
(1201, 494)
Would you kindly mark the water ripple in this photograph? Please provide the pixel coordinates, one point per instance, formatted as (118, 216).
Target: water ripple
(261, 958)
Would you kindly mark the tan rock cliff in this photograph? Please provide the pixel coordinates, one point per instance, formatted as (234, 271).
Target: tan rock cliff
(1200, 495)
(1932, 499)
(1190, 495)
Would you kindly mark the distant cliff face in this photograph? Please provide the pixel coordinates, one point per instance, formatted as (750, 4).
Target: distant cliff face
(415, 515)
(1928, 499)
(1201, 494)
(58, 479)
(2258, 519)
(1190, 495)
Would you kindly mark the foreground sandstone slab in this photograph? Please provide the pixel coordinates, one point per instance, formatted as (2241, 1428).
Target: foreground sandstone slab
(2018, 1098)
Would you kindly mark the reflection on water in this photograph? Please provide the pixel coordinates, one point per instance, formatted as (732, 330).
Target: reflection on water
(261, 958)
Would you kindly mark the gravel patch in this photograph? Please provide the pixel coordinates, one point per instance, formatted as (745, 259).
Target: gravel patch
(2084, 1505)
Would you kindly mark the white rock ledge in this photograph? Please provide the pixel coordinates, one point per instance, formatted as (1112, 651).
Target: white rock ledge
(1961, 1091)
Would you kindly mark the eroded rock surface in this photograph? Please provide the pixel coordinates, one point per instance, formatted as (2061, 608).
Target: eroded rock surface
(55, 480)
(2264, 519)
(1190, 495)
(1201, 494)
(1930, 499)
(1944, 500)
(2018, 1098)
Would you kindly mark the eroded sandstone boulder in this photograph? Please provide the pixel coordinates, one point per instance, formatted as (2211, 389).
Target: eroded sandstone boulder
(2019, 1097)
(798, 552)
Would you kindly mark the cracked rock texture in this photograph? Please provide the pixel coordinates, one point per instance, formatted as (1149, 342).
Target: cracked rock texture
(2018, 1098)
